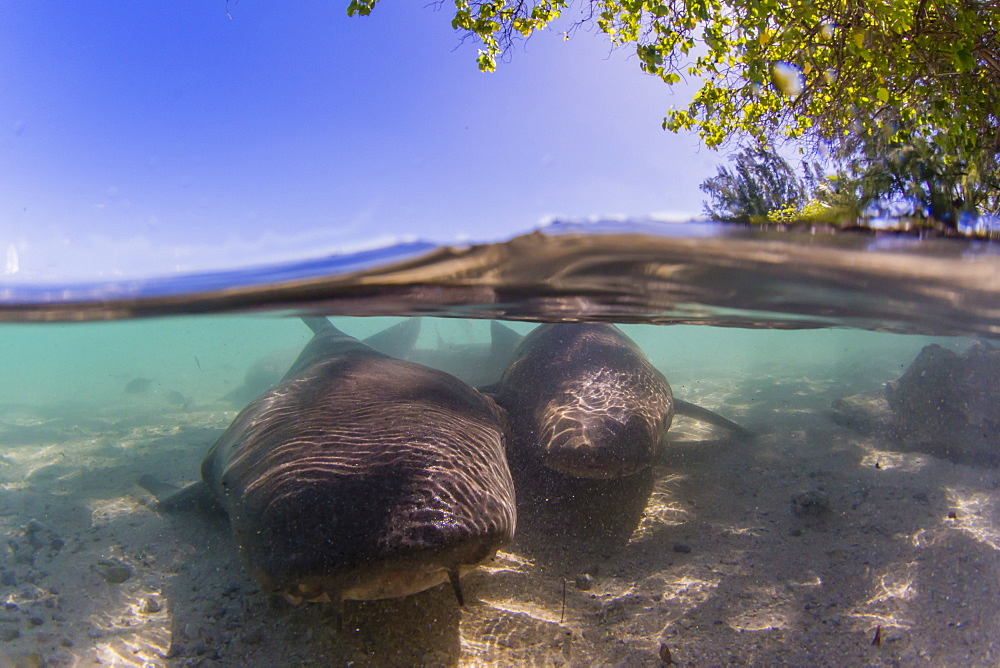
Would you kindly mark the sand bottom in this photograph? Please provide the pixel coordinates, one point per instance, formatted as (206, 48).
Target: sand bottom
(813, 545)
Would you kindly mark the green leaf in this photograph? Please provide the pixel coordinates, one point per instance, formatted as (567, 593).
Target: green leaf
(964, 60)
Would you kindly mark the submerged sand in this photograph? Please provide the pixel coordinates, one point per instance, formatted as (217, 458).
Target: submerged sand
(814, 545)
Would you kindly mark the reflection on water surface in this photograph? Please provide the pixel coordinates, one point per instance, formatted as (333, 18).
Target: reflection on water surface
(642, 273)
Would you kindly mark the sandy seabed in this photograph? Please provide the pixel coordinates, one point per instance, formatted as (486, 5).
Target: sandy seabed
(814, 545)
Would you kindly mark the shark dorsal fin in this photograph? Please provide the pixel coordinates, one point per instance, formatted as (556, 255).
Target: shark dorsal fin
(396, 341)
(503, 342)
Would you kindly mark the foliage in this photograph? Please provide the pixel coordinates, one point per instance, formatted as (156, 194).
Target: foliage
(759, 184)
(820, 70)
(813, 210)
(880, 169)
(898, 175)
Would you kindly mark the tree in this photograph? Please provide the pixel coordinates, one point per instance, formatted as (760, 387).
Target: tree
(759, 183)
(900, 176)
(877, 170)
(814, 70)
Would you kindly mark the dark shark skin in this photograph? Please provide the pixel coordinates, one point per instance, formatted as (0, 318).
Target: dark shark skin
(361, 476)
(586, 402)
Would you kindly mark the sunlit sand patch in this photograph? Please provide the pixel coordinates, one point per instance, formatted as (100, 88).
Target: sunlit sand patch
(36, 460)
(504, 631)
(690, 587)
(145, 650)
(763, 609)
(140, 436)
(894, 589)
(680, 595)
(814, 581)
(735, 408)
(924, 538)
(897, 583)
(716, 394)
(534, 610)
(888, 459)
(137, 636)
(973, 513)
(526, 603)
(687, 588)
(506, 638)
(146, 647)
(105, 511)
(507, 562)
(719, 397)
(662, 510)
(613, 590)
(753, 532)
(687, 429)
(32, 466)
(869, 621)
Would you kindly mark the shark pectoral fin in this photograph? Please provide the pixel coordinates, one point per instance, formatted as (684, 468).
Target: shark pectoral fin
(170, 498)
(456, 585)
(396, 341)
(696, 412)
(158, 488)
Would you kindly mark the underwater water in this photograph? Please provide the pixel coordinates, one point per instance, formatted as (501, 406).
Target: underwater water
(835, 537)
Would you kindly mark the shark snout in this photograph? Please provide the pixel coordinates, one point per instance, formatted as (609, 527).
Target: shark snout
(599, 447)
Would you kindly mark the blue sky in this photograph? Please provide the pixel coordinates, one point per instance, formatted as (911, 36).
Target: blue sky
(148, 138)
